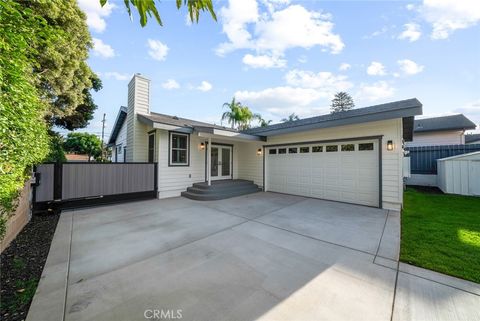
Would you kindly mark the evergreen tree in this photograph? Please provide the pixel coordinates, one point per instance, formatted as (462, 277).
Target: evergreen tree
(341, 102)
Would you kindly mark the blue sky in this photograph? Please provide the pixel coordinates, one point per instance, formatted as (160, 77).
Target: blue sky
(280, 56)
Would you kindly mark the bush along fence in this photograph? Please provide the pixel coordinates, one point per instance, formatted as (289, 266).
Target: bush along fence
(423, 159)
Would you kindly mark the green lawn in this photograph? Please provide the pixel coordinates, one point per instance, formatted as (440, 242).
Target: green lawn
(442, 233)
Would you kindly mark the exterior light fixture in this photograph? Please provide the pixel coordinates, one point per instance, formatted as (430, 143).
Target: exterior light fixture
(259, 151)
(202, 146)
(390, 145)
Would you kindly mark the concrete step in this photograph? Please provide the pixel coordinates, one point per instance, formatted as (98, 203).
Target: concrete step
(220, 196)
(228, 189)
(223, 184)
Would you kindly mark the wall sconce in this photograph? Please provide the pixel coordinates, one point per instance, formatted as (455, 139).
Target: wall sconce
(202, 146)
(259, 151)
(390, 145)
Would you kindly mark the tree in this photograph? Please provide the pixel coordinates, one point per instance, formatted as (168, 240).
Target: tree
(84, 143)
(238, 115)
(60, 53)
(84, 112)
(291, 117)
(23, 133)
(56, 153)
(148, 7)
(262, 122)
(341, 102)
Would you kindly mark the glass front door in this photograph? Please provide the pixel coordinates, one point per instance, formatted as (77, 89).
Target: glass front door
(221, 166)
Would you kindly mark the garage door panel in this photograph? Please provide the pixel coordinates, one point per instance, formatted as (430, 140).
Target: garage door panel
(348, 176)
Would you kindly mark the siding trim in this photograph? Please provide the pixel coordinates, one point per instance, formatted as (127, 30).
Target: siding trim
(327, 141)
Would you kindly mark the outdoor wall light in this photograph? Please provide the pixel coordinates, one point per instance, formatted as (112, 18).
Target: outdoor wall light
(390, 145)
(259, 151)
(202, 146)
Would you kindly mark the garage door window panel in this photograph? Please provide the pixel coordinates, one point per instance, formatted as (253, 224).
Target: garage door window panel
(365, 146)
(331, 148)
(348, 147)
(292, 150)
(282, 150)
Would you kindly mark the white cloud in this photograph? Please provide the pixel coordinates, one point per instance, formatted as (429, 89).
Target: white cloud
(377, 33)
(409, 67)
(158, 50)
(302, 59)
(116, 75)
(344, 66)
(376, 69)
(96, 14)
(205, 86)
(412, 32)
(264, 61)
(101, 49)
(271, 33)
(280, 101)
(302, 94)
(447, 16)
(410, 6)
(170, 84)
(325, 82)
(376, 91)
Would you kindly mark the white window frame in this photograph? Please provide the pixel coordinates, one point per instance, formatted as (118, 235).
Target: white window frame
(171, 149)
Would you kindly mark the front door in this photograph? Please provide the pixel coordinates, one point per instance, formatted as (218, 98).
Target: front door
(221, 162)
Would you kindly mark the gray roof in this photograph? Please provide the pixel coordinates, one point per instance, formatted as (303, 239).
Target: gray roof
(122, 115)
(181, 122)
(405, 109)
(443, 123)
(472, 138)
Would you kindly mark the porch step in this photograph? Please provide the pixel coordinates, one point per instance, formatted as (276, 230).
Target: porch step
(220, 190)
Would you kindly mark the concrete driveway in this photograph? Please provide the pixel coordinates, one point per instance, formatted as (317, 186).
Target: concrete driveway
(263, 256)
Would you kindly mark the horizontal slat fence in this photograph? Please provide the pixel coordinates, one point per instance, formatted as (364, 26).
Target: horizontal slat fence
(423, 159)
(70, 185)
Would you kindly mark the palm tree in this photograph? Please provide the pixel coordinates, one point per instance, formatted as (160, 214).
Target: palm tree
(238, 116)
(262, 122)
(291, 117)
(233, 114)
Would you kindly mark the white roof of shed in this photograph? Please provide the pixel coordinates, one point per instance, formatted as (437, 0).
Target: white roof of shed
(468, 156)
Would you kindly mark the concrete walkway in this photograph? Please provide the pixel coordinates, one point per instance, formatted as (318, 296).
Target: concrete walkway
(263, 256)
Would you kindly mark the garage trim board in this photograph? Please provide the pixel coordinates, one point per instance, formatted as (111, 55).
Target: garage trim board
(314, 161)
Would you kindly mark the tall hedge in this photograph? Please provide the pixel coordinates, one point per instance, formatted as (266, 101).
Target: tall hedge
(23, 132)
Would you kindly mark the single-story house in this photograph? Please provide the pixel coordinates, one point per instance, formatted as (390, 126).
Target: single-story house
(472, 139)
(354, 156)
(445, 130)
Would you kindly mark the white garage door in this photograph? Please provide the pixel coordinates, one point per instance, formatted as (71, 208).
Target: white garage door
(344, 171)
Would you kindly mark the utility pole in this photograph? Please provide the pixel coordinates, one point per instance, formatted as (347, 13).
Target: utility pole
(103, 131)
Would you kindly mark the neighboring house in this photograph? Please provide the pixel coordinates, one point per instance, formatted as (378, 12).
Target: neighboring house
(354, 156)
(446, 130)
(76, 158)
(472, 139)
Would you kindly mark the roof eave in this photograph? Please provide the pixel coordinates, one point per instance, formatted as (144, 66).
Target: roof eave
(400, 113)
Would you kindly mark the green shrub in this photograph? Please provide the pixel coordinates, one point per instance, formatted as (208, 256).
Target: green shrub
(23, 132)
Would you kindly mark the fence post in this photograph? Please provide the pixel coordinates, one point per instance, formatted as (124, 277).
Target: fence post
(57, 181)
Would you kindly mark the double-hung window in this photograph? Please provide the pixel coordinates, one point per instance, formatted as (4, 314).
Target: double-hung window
(179, 147)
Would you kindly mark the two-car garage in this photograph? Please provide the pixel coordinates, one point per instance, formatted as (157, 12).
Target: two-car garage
(346, 171)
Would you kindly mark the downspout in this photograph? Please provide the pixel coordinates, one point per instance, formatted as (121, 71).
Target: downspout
(209, 161)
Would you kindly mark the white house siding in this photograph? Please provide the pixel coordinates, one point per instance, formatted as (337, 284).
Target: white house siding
(138, 103)
(450, 137)
(121, 140)
(172, 180)
(250, 163)
(392, 182)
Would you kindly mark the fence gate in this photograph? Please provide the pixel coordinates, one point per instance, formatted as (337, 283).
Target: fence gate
(72, 185)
